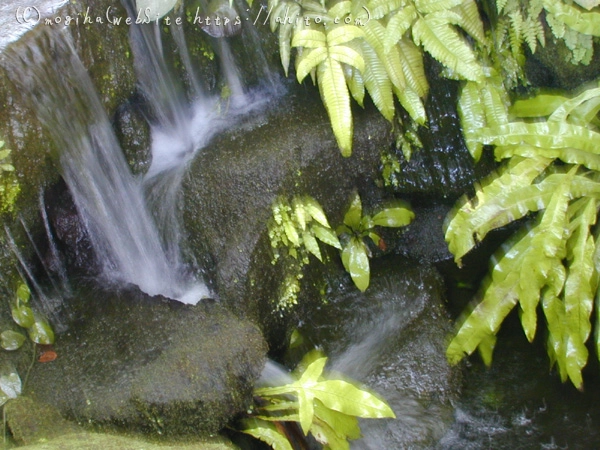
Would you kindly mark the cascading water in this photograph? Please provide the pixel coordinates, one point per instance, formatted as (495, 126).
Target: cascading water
(110, 201)
(132, 222)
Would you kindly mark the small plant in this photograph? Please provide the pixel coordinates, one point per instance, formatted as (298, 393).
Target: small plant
(357, 227)
(9, 185)
(37, 327)
(294, 231)
(326, 408)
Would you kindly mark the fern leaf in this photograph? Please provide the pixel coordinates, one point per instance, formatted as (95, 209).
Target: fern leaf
(380, 8)
(530, 33)
(431, 6)
(574, 18)
(494, 103)
(355, 83)
(340, 9)
(554, 310)
(411, 59)
(498, 297)
(347, 55)
(547, 251)
(375, 36)
(579, 292)
(378, 83)
(543, 134)
(332, 85)
(343, 34)
(516, 31)
(309, 38)
(539, 106)
(470, 20)
(566, 155)
(500, 201)
(412, 103)
(500, 5)
(472, 116)
(397, 25)
(569, 106)
(308, 61)
(285, 37)
(445, 44)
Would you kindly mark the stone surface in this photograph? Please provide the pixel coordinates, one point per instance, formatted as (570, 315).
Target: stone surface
(232, 183)
(151, 364)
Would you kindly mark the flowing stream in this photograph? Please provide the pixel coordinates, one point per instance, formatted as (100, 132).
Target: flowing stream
(132, 222)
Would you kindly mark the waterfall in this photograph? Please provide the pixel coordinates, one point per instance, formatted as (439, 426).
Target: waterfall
(132, 223)
(109, 199)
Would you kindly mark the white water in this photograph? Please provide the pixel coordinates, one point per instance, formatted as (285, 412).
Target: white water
(133, 223)
(110, 201)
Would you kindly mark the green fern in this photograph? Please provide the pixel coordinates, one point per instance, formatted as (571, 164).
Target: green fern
(554, 261)
(521, 21)
(348, 52)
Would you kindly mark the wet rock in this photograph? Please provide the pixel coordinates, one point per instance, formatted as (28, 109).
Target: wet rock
(550, 66)
(151, 364)
(38, 426)
(69, 234)
(96, 441)
(232, 183)
(133, 132)
(392, 338)
(443, 168)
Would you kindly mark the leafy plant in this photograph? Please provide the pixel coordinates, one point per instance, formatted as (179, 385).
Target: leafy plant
(520, 22)
(326, 408)
(38, 329)
(9, 185)
(10, 383)
(553, 175)
(357, 227)
(350, 47)
(295, 230)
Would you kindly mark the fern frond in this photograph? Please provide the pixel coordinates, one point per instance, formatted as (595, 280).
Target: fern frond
(375, 36)
(431, 6)
(411, 59)
(377, 82)
(412, 103)
(355, 83)
(380, 8)
(470, 20)
(579, 288)
(472, 116)
(574, 18)
(500, 5)
(397, 25)
(506, 197)
(444, 43)
(332, 85)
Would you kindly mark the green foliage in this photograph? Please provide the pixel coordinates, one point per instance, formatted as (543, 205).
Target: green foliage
(553, 176)
(520, 22)
(326, 408)
(38, 329)
(357, 227)
(295, 230)
(10, 383)
(9, 185)
(376, 46)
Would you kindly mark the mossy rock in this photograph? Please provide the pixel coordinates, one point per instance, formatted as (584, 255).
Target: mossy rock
(151, 364)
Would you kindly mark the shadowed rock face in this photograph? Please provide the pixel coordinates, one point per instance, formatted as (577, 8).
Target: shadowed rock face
(152, 364)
